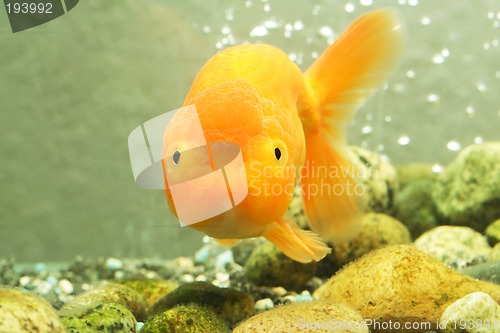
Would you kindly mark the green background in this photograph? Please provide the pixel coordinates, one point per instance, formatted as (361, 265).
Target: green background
(71, 91)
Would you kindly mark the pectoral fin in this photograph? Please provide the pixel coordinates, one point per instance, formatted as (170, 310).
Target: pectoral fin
(300, 245)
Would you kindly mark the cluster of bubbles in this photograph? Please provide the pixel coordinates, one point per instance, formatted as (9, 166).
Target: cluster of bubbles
(312, 34)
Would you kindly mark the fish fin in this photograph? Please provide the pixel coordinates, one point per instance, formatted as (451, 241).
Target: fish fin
(339, 82)
(300, 245)
(227, 241)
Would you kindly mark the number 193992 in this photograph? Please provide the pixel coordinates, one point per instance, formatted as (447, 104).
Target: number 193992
(27, 7)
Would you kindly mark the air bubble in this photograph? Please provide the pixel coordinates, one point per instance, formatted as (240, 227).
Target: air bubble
(226, 30)
(258, 31)
(316, 9)
(367, 129)
(410, 74)
(206, 29)
(438, 59)
(453, 145)
(437, 168)
(413, 3)
(486, 46)
(326, 32)
(481, 87)
(272, 23)
(366, 2)
(349, 7)
(380, 147)
(425, 20)
(267, 7)
(432, 98)
(404, 140)
(478, 140)
(388, 119)
(298, 25)
(469, 110)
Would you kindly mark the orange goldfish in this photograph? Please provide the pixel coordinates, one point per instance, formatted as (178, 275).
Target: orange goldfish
(288, 125)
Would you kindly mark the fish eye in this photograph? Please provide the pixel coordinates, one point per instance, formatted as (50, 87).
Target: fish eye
(176, 156)
(277, 153)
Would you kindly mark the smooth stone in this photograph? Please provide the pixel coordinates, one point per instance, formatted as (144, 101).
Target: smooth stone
(230, 304)
(378, 178)
(189, 318)
(493, 232)
(457, 247)
(467, 193)
(400, 284)
(410, 173)
(474, 313)
(489, 271)
(108, 293)
(104, 317)
(415, 208)
(495, 253)
(377, 231)
(151, 290)
(306, 317)
(268, 266)
(24, 313)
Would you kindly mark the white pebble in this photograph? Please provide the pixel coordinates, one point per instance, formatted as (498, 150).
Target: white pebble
(66, 286)
(187, 278)
(264, 304)
(478, 310)
(280, 291)
(24, 281)
(114, 264)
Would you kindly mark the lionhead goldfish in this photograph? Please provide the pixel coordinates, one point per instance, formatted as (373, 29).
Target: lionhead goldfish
(287, 123)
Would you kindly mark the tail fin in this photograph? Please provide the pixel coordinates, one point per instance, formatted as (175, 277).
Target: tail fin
(340, 81)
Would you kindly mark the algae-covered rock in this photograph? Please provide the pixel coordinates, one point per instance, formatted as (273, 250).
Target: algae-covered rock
(231, 305)
(401, 284)
(493, 232)
(414, 172)
(415, 209)
(473, 313)
(104, 317)
(270, 267)
(305, 317)
(190, 318)
(243, 250)
(24, 313)
(495, 253)
(378, 178)
(468, 191)
(377, 231)
(455, 246)
(489, 271)
(109, 293)
(151, 290)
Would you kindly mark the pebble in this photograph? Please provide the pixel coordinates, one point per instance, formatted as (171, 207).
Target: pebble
(467, 192)
(264, 304)
(114, 264)
(21, 312)
(400, 283)
(493, 232)
(268, 266)
(99, 317)
(415, 209)
(410, 173)
(65, 286)
(378, 177)
(474, 313)
(305, 317)
(230, 304)
(495, 253)
(455, 246)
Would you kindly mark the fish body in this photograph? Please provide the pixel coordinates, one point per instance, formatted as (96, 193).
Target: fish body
(288, 124)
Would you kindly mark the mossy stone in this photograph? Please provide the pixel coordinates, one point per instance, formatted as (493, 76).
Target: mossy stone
(230, 304)
(25, 313)
(109, 293)
(151, 290)
(415, 209)
(190, 318)
(467, 193)
(104, 317)
(493, 232)
(410, 173)
(268, 266)
(489, 271)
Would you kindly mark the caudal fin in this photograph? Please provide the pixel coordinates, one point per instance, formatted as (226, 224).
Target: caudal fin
(340, 81)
